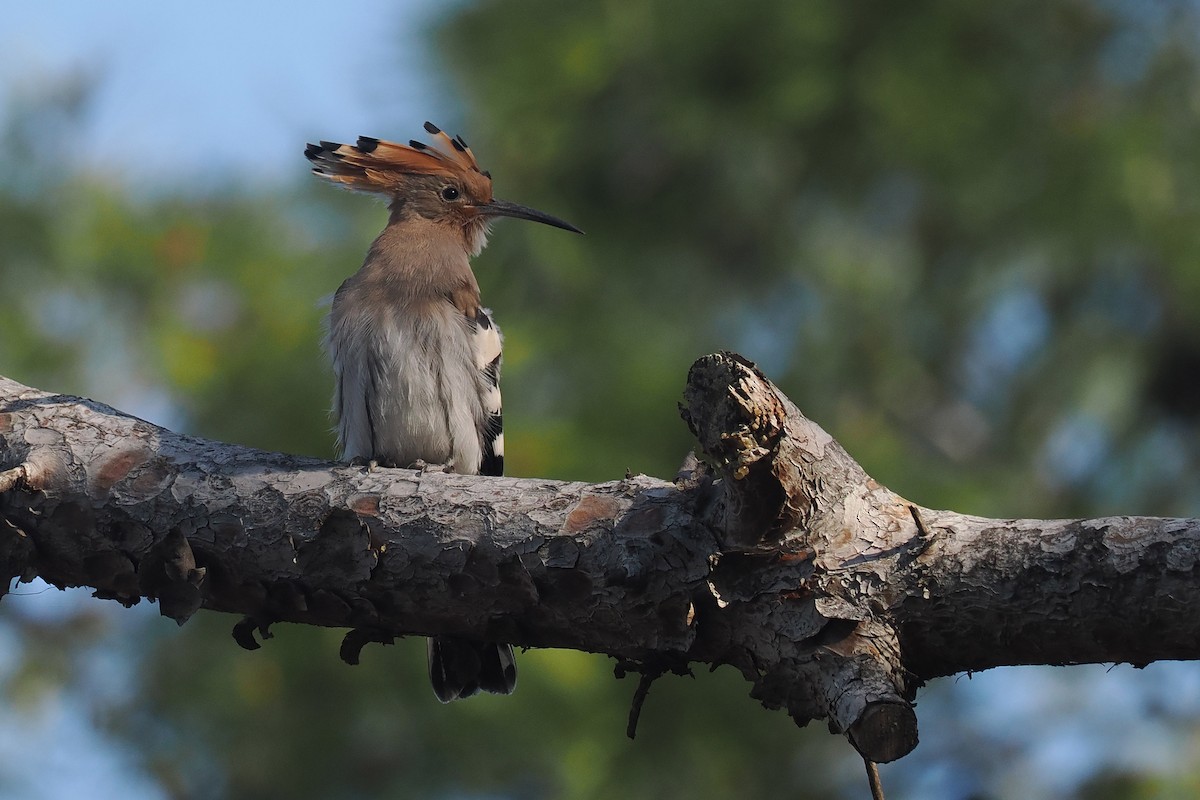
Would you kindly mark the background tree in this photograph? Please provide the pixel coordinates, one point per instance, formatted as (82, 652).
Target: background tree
(961, 237)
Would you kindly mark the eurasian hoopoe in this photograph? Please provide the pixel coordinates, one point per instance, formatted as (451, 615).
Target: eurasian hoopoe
(415, 356)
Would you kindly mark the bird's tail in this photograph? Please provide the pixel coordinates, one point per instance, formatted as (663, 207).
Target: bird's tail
(459, 668)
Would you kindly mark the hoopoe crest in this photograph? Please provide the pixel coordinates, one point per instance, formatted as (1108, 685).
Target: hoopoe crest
(402, 171)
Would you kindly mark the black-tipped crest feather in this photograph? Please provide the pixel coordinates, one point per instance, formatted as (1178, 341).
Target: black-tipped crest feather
(376, 165)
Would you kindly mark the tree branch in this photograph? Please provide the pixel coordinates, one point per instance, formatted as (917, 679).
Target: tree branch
(835, 597)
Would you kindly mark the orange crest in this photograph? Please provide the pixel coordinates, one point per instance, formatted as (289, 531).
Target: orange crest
(375, 165)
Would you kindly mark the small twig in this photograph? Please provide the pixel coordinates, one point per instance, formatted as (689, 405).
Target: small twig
(916, 515)
(639, 698)
(11, 477)
(649, 674)
(873, 779)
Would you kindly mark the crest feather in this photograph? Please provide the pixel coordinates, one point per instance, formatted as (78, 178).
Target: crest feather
(377, 165)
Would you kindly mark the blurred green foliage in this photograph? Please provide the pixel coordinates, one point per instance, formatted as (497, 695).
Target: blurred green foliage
(954, 235)
(962, 237)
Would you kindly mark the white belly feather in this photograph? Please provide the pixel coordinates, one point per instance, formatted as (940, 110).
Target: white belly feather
(409, 386)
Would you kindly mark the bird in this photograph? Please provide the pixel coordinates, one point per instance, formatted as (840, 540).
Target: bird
(416, 356)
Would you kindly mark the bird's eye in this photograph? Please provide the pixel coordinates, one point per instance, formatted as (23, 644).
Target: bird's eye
(449, 193)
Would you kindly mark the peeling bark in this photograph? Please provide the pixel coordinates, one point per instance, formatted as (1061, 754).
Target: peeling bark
(835, 597)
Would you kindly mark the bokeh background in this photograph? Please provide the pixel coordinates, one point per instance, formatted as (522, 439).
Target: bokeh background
(964, 237)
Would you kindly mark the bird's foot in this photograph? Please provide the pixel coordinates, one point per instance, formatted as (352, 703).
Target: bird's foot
(422, 466)
(367, 464)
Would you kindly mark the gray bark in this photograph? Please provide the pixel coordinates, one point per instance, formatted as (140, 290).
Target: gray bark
(835, 597)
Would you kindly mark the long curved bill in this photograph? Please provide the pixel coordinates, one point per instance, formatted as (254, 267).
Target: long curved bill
(503, 208)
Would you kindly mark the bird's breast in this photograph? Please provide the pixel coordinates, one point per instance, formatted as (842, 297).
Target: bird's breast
(407, 385)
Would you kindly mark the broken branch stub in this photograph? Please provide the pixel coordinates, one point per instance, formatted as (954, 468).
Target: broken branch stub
(807, 540)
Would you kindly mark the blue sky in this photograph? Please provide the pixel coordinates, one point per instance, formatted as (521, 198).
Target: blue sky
(193, 91)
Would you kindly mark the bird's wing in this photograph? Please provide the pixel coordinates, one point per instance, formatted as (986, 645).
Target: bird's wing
(488, 345)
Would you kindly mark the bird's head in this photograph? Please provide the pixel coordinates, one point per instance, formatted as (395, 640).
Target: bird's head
(440, 182)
